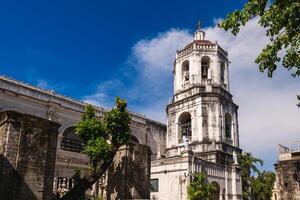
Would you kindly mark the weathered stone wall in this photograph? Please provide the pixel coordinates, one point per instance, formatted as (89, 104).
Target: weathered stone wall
(129, 176)
(28, 150)
(66, 111)
(288, 179)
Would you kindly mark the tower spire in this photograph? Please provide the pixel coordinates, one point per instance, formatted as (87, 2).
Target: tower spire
(199, 34)
(198, 26)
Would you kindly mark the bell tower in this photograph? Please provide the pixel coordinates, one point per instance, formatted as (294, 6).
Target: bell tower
(202, 114)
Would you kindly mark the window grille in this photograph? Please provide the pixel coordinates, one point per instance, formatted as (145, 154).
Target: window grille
(71, 144)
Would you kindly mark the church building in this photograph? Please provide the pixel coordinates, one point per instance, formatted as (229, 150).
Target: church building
(38, 140)
(202, 125)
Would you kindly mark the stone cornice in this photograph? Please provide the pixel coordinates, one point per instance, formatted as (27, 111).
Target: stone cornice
(8, 85)
(216, 92)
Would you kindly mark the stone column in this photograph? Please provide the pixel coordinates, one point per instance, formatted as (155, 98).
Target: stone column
(236, 182)
(129, 176)
(27, 156)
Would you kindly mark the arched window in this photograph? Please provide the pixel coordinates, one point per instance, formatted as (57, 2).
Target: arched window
(70, 141)
(186, 71)
(222, 72)
(204, 66)
(216, 192)
(185, 126)
(228, 122)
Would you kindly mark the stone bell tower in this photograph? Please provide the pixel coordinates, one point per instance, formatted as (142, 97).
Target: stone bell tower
(202, 114)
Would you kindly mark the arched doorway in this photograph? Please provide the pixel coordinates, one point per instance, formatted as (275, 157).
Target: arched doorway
(216, 193)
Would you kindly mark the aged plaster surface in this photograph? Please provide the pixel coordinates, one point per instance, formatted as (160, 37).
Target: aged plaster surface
(288, 173)
(28, 150)
(202, 98)
(47, 105)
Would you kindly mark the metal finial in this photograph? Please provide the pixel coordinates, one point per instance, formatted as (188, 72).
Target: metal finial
(198, 26)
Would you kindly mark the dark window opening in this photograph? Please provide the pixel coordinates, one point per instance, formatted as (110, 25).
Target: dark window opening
(154, 185)
(222, 72)
(186, 71)
(70, 141)
(185, 126)
(228, 122)
(286, 184)
(204, 67)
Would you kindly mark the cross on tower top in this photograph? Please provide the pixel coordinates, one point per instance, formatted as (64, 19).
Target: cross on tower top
(199, 34)
(198, 25)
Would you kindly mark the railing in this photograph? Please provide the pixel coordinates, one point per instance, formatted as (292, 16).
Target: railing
(206, 81)
(71, 145)
(185, 84)
(189, 138)
(289, 148)
(211, 169)
(62, 185)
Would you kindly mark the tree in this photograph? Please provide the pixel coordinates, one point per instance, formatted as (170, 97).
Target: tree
(281, 19)
(200, 188)
(262, 185)
(102, 139)
(248, 165)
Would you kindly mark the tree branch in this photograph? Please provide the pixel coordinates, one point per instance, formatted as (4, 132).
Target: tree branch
(86, 182)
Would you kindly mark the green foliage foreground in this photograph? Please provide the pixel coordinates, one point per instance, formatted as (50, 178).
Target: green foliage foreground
(262, 185)
(255, 184)
(281, 19)
(102, 138)
(200, 188)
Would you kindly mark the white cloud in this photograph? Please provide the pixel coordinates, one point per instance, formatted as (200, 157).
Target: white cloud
(267, 113)
(159, 52)
(42, 84)
(148, 84)
(245, 47)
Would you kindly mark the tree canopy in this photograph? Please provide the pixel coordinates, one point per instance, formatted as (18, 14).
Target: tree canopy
(248, 165)
(281, 19)
(200, 188)
(262, 185)
(255, 184)
(102, 138)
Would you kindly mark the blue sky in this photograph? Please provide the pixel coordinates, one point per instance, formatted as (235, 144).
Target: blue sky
(77, 44)
(95, 50)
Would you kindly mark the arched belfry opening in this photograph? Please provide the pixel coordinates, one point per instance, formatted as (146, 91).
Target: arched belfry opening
(185, 126)
(228, 123)
(205, 61)
(222, 72)
(70, 141)
(185, 71)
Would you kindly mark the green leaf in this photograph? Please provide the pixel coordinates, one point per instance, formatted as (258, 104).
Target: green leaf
(281, 21)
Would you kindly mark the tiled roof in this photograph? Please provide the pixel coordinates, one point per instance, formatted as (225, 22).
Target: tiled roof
(198, 42)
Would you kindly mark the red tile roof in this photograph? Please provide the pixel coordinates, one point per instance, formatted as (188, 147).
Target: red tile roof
(198, 42)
